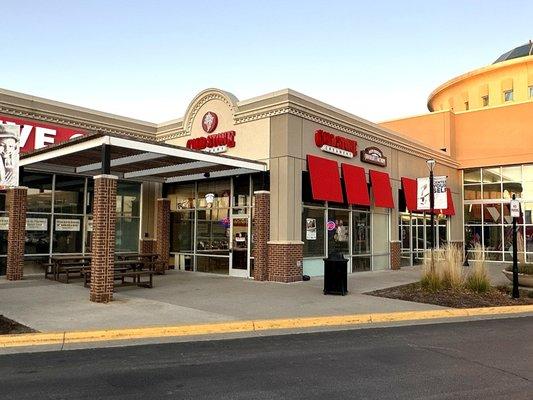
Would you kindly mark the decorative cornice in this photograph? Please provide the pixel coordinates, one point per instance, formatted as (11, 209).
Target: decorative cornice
(75, 123)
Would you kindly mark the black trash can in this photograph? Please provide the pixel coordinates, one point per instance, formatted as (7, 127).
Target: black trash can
(335, 274)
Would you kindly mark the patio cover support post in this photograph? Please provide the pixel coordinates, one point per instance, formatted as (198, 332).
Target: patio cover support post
(261, 233)
(103, 239)
(16, 200)
(162, 243)
(106, 159)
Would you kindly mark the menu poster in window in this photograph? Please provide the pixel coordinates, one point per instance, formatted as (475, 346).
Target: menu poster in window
(4, 223)
(310, 229)
(67, 225)
(89, 225)
(9, 155)
(36, 224)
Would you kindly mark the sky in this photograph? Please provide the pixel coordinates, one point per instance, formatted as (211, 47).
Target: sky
(147, 59)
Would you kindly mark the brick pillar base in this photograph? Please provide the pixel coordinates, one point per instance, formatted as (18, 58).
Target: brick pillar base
(16, 236)
(147, 246)
(162, 244)
(261, 234)
(395, 254)
(285, 261)
(103, 238)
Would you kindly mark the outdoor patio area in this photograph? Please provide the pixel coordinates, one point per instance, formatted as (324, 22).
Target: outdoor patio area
(180, 297)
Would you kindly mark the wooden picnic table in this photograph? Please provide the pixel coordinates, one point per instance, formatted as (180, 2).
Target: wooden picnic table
(67, 264)
(134, 269)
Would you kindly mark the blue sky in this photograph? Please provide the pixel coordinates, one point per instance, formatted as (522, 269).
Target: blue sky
(147, 59)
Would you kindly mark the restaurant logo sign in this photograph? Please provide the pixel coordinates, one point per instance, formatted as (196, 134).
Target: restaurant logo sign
(373, 155)
(9, 155)
(338, 145)
(209, 122)
(34, 135)
(215, 143)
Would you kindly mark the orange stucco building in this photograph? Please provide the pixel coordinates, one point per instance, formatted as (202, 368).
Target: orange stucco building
(483, 119)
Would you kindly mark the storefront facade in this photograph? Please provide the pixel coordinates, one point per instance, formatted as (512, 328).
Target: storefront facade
(332, 183)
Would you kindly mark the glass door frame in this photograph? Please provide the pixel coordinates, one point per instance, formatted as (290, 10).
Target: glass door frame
(241, 273)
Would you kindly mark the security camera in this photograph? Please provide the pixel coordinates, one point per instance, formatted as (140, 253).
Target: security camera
(207, 175)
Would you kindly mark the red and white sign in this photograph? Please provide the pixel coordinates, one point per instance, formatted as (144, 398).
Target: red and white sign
(209, 122)
(35, 135)
(215, 143)
(338, 145)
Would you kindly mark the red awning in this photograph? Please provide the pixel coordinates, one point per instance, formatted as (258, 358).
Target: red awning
(325, 179)
(355, 184)
(381, 189)
(409, 192)
(451, 209)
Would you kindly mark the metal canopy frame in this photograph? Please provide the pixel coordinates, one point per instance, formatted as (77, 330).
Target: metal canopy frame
(130, 158)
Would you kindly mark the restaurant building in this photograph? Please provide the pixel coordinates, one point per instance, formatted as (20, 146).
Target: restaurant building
(263, 188)
(482, 119)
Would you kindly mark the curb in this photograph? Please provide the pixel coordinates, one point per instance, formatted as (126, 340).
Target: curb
(69, 337)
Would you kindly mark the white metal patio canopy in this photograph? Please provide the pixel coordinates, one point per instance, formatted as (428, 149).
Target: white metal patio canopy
(136, 159)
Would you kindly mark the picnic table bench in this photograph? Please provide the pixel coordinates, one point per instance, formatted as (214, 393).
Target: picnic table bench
(68, 265)
(123, 269)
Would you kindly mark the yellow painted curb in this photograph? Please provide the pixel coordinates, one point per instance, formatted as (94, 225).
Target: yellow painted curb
(38, 339)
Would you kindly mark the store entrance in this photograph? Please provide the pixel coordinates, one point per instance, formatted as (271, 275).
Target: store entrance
(240, 246)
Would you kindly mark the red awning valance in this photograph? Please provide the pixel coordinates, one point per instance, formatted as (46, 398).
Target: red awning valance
(409, 192)
(325, 179)
(381, 189)
(355, 184)
(451, 208)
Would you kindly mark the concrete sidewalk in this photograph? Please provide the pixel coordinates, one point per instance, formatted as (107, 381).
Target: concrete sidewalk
(195, 298)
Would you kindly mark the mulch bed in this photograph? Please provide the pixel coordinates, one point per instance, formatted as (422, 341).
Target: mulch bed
(8, 326)
(459, 298)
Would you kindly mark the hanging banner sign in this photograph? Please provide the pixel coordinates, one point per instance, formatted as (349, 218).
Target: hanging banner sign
(439, 190)
(36, 224)
(9, 155)
(67, 225)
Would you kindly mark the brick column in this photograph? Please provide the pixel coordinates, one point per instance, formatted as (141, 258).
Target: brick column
(16, 200)
(103, 238)
(261, 234)
(395, 254)
(162, 244)
(285, 261)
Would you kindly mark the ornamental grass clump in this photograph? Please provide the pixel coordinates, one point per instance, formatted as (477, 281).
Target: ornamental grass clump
(450, 266)
(478, 279)
(431, 279)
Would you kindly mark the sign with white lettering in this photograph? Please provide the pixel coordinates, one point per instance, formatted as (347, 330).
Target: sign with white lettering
(9, 155)
(4, 223)
(67, 225)
(515, 209)
(373, 155)
(338, 145)
(34, 135)
(36, 224)
(439, 190)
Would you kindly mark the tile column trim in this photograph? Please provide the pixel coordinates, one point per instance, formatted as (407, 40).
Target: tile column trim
(261, 234)
(162, 243)
(103, 238)
(16, 235)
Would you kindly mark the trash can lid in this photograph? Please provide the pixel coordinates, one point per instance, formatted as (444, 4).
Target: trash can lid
(336, 256)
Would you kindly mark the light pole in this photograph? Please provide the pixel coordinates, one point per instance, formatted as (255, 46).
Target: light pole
(431, 166)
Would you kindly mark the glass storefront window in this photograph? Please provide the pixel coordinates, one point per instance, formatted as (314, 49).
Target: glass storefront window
(181, 196)
(127, 234)
(212, 231)
(472, 192)
(338, 231)
(69, 194)
(3, 200)
(472, 213)
(491, 175)
(39, 191)
(214, 265)
(128, 198)
(512, 174)
(241, 191)
(510, 188)
(182, 231)
(37, 234)
(492, 213)
(220, 189)
(313, 232)
(472, 175)
(492, 237)
(492, 191)
(68, 236)
(361, 232)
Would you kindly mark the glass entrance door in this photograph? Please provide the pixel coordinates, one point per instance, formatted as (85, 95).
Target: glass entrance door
(240, 246)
